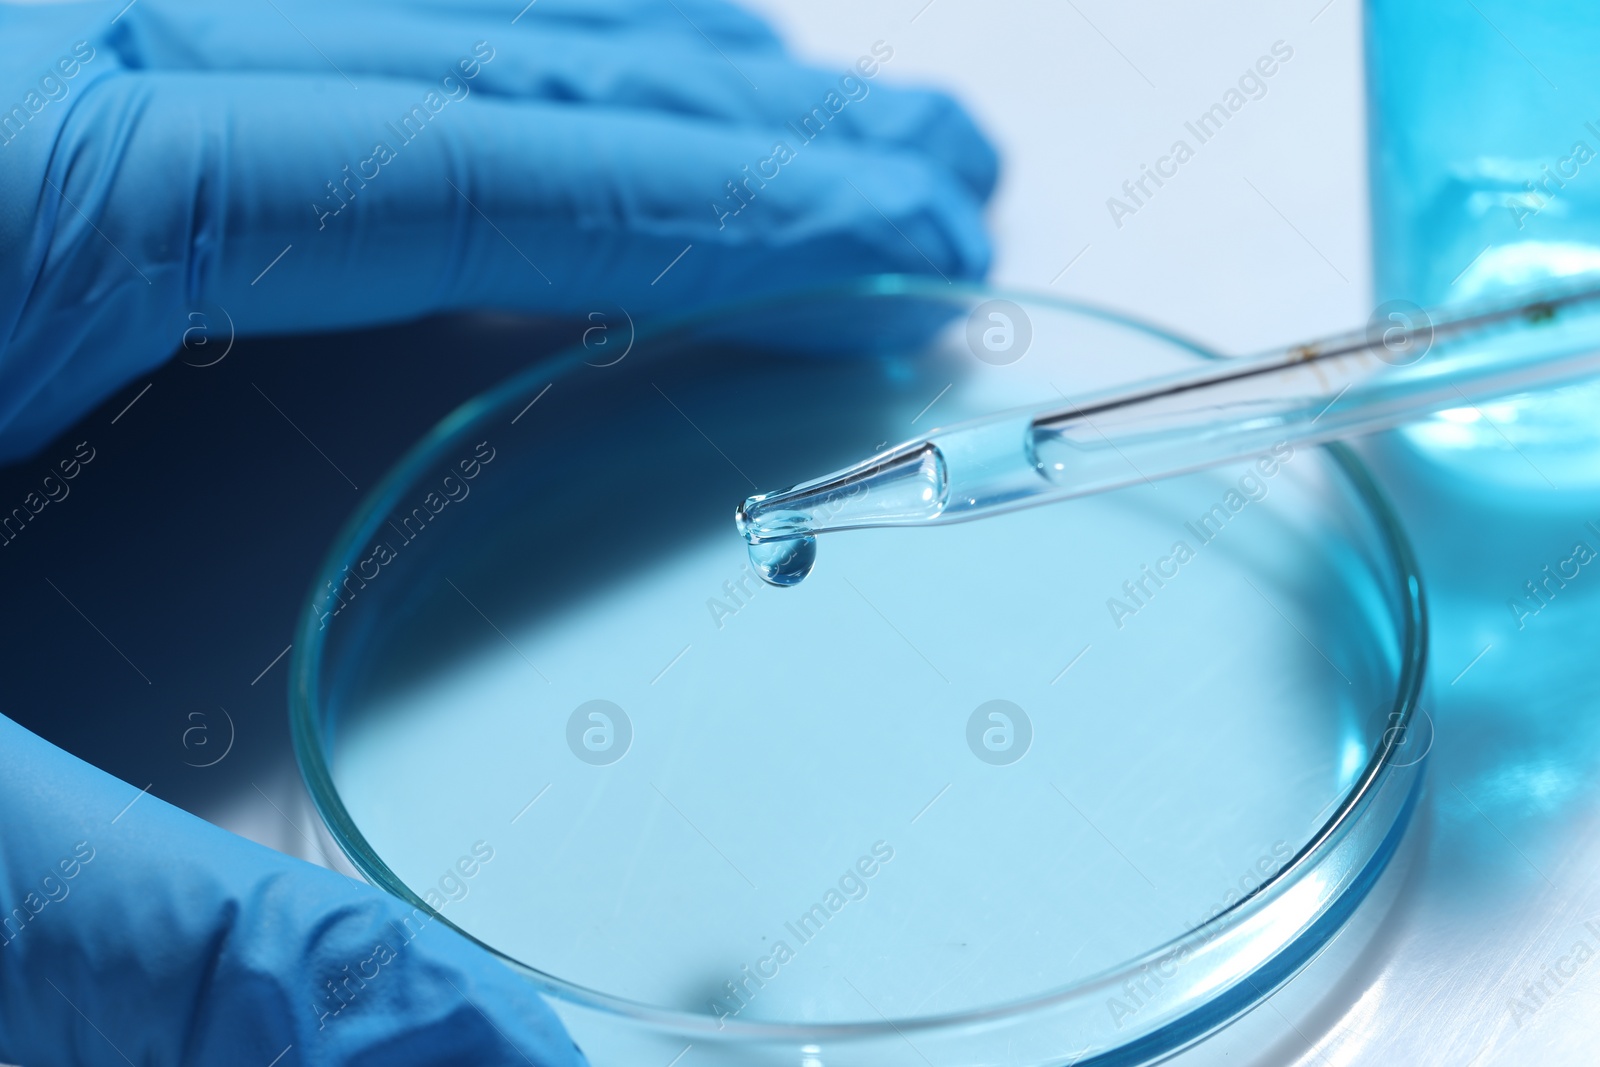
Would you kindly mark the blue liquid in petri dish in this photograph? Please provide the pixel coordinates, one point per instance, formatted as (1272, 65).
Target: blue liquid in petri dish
(965, 766)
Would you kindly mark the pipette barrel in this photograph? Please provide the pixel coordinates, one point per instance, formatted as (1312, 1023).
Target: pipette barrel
(1344, 386)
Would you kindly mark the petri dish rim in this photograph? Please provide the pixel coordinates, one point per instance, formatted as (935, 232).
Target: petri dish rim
(1385, 768)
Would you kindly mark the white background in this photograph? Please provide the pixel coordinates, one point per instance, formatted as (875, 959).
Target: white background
(1077, 95)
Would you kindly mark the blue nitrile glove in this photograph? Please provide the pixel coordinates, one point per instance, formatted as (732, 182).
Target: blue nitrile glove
(136, 933)
(308, 166)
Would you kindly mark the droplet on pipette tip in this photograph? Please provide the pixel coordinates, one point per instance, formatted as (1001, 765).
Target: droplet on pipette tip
(784, 562)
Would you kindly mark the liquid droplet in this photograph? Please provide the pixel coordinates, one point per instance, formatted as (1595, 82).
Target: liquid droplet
(784, 562)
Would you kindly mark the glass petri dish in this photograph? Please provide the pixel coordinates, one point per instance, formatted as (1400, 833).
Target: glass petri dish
(1079, 784)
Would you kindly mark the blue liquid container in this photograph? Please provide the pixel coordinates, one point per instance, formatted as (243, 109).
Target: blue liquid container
(1484, 126)
(1484, 155)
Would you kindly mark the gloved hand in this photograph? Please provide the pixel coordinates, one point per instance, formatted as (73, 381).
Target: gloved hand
(310, 166)
(307, 165)
(134, 932)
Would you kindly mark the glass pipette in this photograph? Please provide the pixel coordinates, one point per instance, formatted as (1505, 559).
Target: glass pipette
(1406, 365)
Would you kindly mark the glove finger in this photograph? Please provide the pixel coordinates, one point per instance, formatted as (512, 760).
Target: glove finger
(153, 30)
(725, 24)
(144, 935)
(132, 28)
(252, 193)
(631, 67)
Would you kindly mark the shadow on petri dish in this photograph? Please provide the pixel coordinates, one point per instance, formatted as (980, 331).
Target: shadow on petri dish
(624, 463)
(605, 478)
